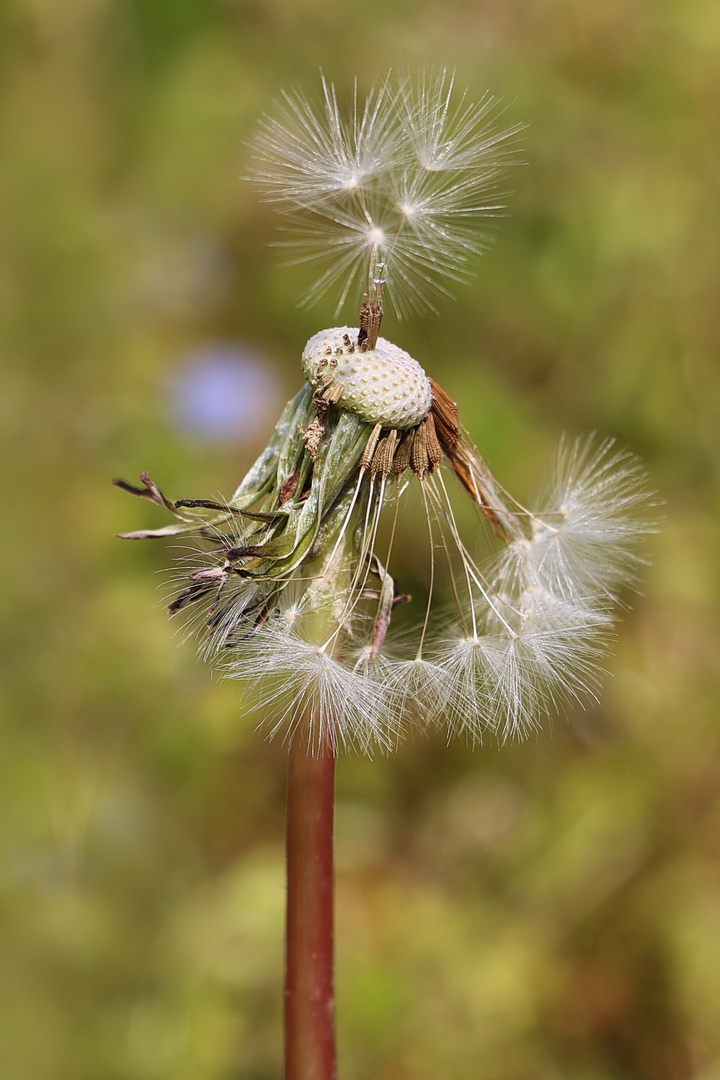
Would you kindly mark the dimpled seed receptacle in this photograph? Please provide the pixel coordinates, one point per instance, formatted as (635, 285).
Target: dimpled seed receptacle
(382, 386)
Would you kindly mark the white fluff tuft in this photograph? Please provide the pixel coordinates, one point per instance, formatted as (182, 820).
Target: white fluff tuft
(302, 691)
(509, 674)
(583, 543)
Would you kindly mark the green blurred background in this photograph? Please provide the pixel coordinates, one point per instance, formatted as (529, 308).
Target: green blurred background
(549, 910)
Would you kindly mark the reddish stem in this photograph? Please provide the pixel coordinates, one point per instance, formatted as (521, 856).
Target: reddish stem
(309, 985)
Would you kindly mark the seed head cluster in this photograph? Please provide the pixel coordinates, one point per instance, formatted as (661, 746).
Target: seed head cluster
(291, 581)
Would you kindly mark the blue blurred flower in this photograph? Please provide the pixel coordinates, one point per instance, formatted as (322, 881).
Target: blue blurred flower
(223, 391)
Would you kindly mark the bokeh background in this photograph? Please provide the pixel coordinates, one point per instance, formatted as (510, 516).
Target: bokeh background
(542, 911)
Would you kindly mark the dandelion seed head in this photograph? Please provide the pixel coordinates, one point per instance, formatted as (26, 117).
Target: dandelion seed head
(290, 586)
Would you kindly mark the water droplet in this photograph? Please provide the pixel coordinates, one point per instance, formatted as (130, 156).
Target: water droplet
(380, 275)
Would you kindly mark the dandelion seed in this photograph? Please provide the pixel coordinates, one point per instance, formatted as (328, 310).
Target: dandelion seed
(404, 180)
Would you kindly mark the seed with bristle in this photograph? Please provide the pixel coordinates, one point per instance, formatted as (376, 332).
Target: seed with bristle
(382, 386)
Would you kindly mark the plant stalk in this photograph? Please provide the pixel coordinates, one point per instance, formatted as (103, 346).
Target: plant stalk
(310, 1052)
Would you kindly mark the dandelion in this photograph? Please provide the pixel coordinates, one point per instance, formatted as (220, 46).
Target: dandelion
(290, 585)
